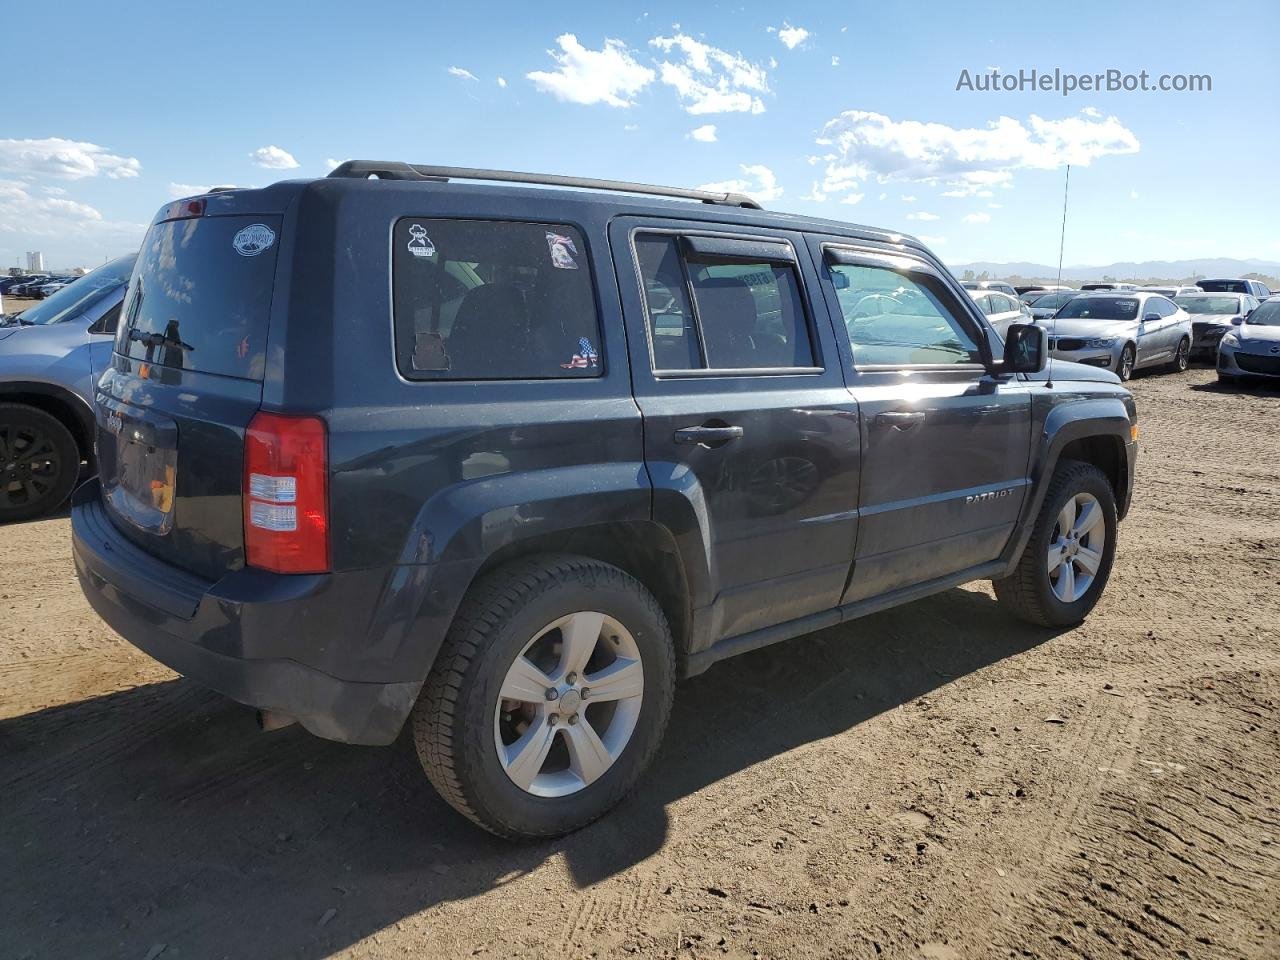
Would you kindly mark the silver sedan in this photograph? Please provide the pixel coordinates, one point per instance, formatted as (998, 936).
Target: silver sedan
(1121, 331)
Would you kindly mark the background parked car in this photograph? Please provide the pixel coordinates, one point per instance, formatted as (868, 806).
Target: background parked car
(999, 285)
(1108, 285)
(1122, 332)
(1252, 349)
(1236, 285)
(53, 286)
(1041, 308)
(1171, 291)
(1001, 309)
(1212, 315)
(50, 356)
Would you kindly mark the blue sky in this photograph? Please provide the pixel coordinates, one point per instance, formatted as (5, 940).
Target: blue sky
(847, 111)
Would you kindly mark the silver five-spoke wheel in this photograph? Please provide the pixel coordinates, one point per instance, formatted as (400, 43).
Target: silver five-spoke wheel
(1076, 547)
(569, 704)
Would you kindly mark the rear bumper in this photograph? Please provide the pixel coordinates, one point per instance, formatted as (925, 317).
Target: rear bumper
(210, 631)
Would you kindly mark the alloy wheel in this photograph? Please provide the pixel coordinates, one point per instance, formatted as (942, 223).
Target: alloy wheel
(1076, 547)
(29, 465)
(569, 704)
(1125, 370)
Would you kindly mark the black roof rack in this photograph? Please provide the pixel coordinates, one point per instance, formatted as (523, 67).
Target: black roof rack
(397, 170)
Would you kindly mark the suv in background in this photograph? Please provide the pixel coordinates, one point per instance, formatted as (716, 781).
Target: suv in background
(506, 462)
(50, 356)
(998, 285)
(1256, 289)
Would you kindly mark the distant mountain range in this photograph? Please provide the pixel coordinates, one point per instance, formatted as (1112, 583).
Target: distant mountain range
(1147, 270)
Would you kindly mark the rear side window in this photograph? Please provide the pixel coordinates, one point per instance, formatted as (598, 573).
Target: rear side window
(493, 300)
(720, 312)
(200, 296)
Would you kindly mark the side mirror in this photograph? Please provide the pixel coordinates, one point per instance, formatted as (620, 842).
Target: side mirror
(1026, 348)
(1150, 317)
(1236, 321)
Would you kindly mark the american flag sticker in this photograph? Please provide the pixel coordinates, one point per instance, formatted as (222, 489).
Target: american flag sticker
(585, 357)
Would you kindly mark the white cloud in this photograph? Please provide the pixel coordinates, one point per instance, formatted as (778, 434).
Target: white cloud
(705, 133)
(272, 157)
(852, 198)
(66, 159)
(762, 187)
(835, 61)
(630, 127)
(977, 218)
(330, 163)
(502, 82)
(710, 80)
(25, 217)
(908, 198)
(463, 74)
(609, 75)
(967, 160)
(1133, 194)
(1091, 112)
(995, 206)
(923, 215)
(179, 190)
(790, 36)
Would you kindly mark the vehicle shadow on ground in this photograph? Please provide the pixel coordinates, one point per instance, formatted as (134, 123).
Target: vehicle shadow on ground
(159, 815)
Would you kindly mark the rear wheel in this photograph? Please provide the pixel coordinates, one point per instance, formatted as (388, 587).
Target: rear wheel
(1067, 561)
(39, 462)
(1182, 357)
(1125, 367)
(549, 697)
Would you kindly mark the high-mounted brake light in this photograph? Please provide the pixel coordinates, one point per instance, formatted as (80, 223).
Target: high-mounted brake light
(286, 496)
(184, 209)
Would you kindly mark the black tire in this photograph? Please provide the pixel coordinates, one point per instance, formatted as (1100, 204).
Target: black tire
(1027, 592)
(39, 462)
(454, 720)
(1124, 369)
(1181, 357)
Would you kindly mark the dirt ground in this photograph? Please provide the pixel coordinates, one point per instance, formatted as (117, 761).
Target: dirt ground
(937, 781)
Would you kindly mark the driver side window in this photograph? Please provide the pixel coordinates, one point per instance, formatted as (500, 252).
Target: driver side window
(897, 318)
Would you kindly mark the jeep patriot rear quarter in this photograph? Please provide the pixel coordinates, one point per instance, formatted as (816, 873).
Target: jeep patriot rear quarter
(509, 461)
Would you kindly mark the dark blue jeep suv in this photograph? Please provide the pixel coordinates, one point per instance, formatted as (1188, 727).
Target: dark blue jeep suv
(504, 456)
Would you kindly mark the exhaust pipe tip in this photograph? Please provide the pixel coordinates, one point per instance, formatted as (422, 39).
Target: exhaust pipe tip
(269, 720)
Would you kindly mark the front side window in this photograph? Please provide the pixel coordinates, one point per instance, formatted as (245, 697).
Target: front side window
(493, 300)
(719, 313)
(898, 318)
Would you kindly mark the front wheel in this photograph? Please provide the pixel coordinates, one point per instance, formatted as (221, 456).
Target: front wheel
(1182, 358)
(549, 697)
(1125, 367)
(1067, 561)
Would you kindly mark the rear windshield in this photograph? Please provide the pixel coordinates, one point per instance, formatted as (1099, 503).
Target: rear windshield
(1223, 286)
(200, 296)
(493, 300)
(1100, 308)
(1208, 304)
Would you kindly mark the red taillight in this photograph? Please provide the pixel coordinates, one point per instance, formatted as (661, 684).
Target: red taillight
(286, 496)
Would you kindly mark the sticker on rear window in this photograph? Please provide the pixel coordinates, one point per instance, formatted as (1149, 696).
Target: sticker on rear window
(420, 244)
(253, 239)
(585, 357)
(562, 251)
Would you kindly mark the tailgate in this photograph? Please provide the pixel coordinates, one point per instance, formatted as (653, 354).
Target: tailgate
(184, 382)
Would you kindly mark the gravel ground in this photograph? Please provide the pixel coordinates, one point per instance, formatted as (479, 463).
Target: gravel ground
(936, 781)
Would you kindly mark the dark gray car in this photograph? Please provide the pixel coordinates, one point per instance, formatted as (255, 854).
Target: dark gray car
(505, 462)
(50, 356)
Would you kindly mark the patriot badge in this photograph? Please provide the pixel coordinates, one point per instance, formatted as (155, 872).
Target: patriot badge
(585, 357)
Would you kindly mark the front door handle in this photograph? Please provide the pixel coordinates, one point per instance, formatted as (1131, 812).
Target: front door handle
(708, 435)
(900, 419)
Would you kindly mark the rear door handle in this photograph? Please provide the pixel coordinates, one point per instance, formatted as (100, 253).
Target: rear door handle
(900, 419)
(707, 434)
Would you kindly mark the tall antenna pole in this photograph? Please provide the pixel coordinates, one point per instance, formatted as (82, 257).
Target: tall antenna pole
(1062, 243)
